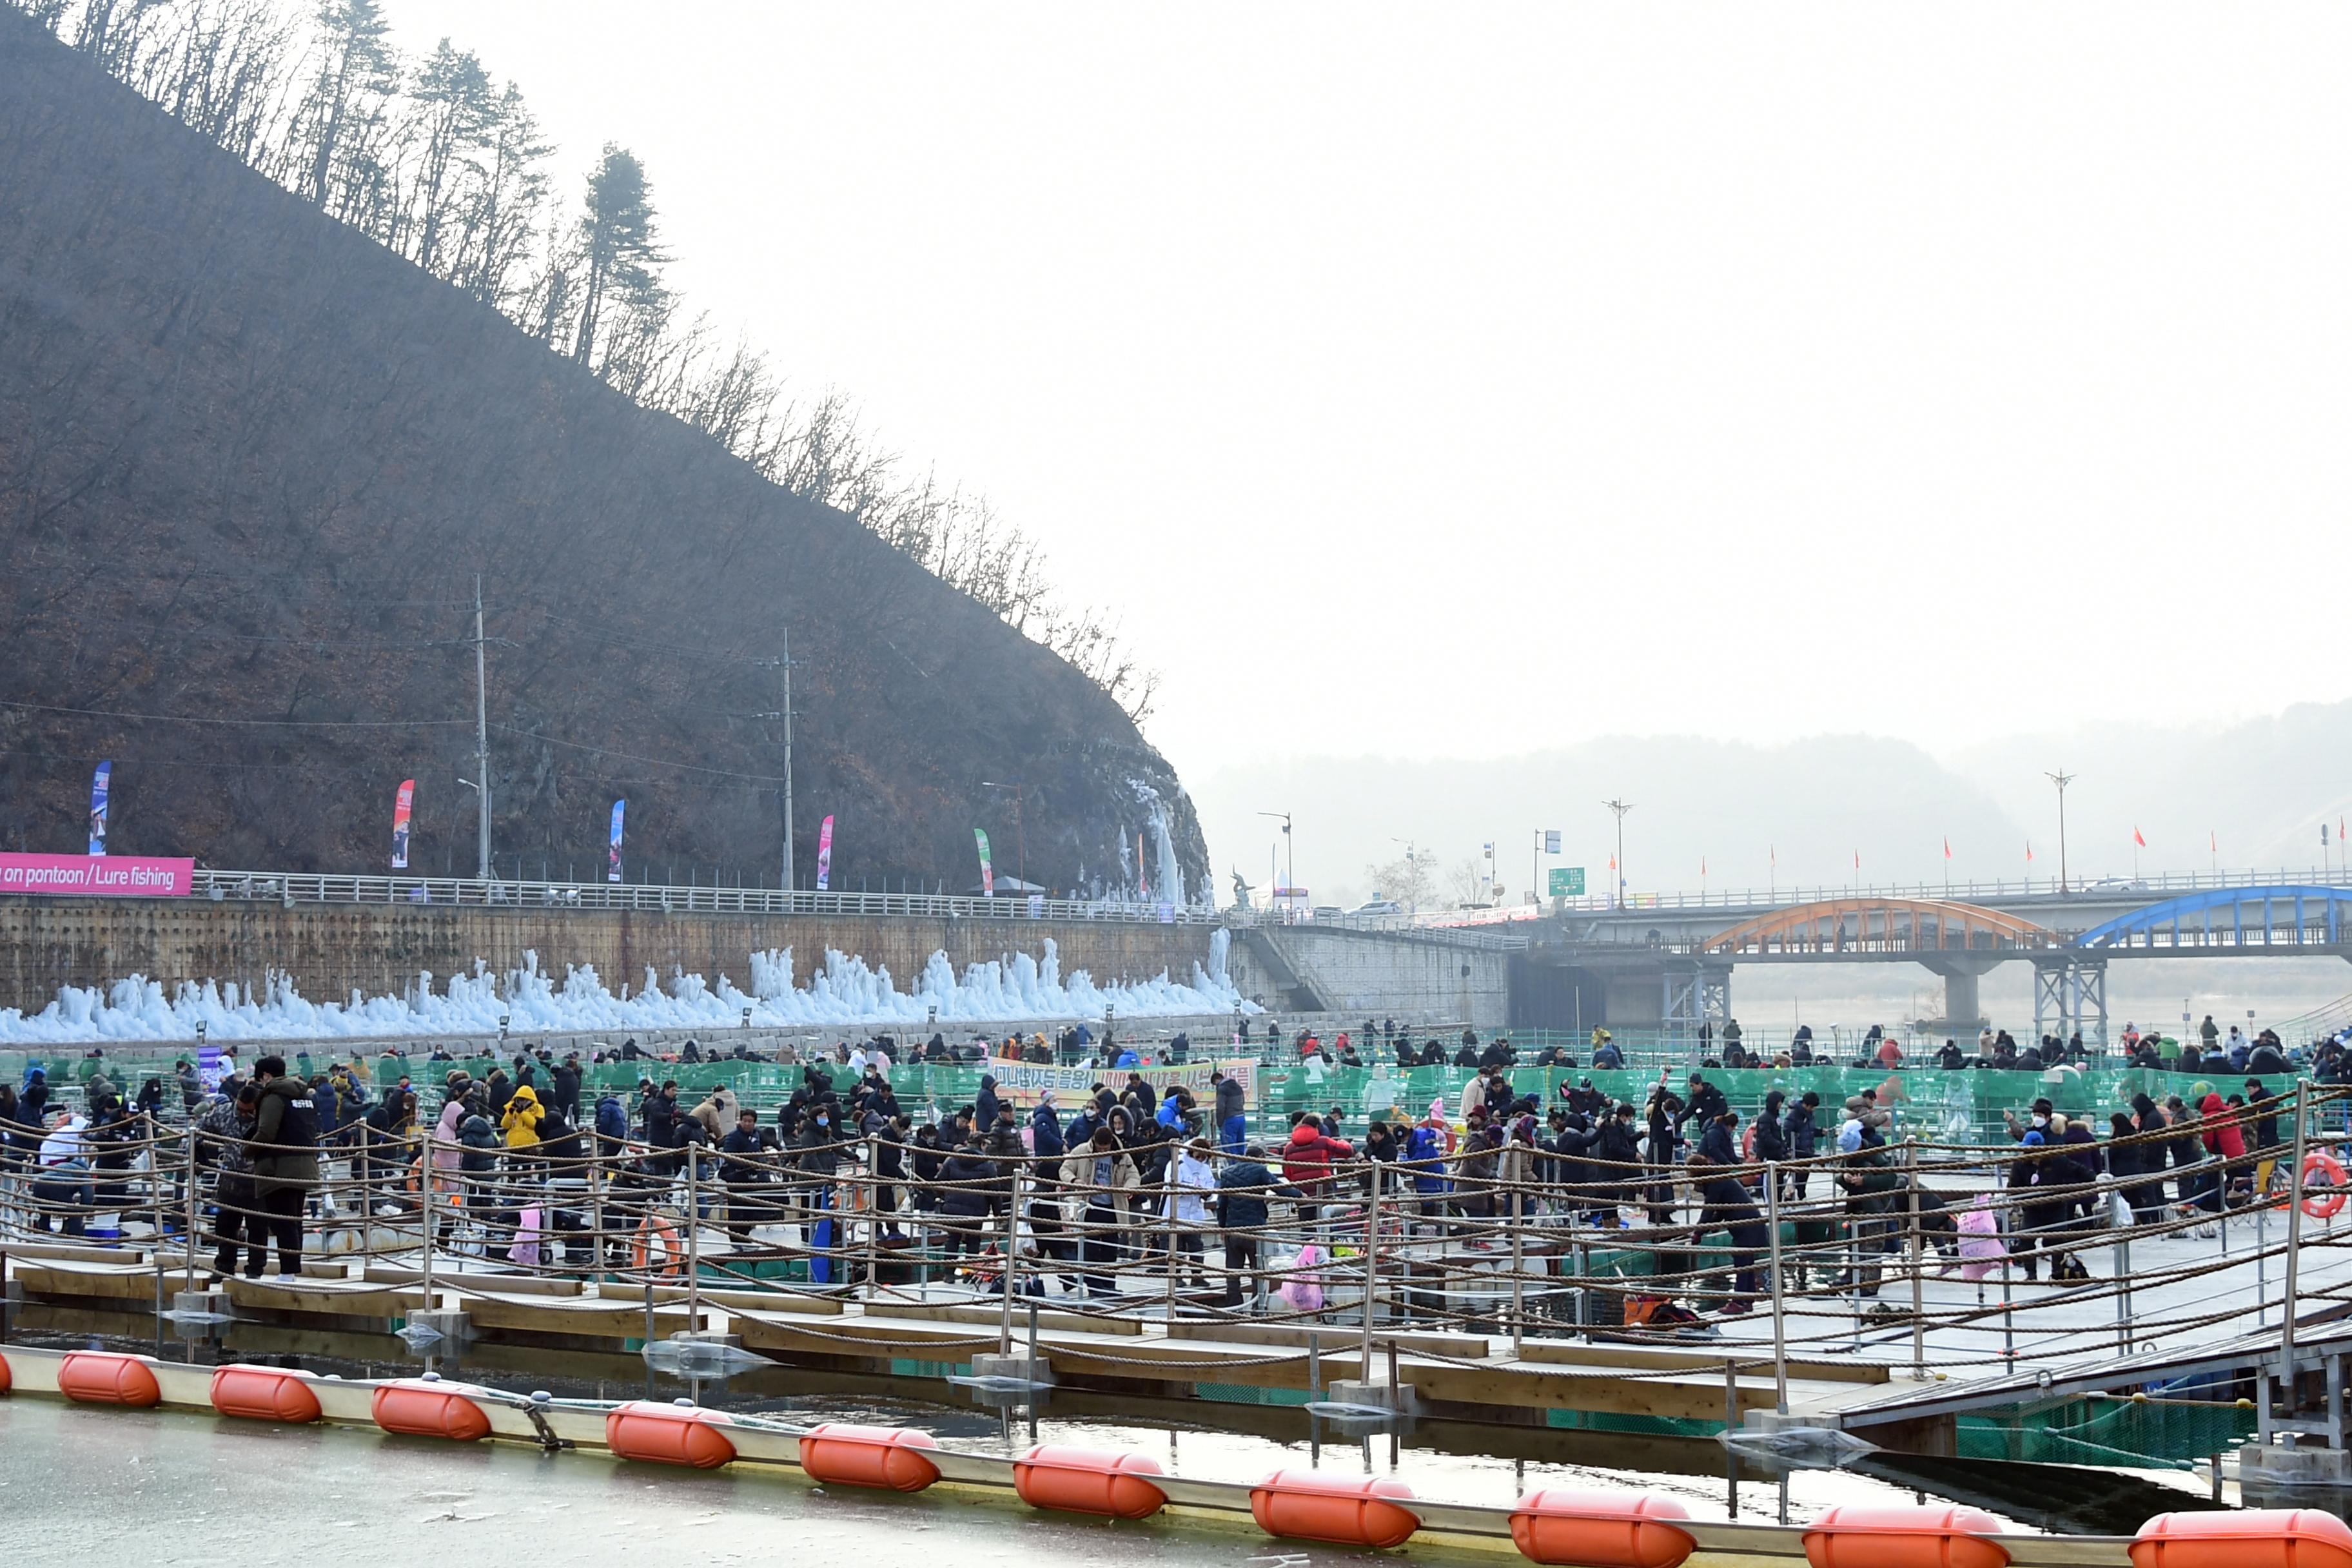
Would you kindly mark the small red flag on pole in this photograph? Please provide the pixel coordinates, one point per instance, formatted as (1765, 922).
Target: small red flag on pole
(2137, 839)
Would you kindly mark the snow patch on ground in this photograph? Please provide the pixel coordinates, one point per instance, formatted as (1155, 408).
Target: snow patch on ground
(847, 990)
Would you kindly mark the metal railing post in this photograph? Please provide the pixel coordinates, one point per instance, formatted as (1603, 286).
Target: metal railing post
(155, 1202)
(693, 1236)
(1371, 1266)
(2294, 1241)
(1012, 1249)
(1779, 1288)
(595, 1212)
(1518, 1258)
(2261, 1256)
(1167, 1211)
(873, 1216)
(1916, 1245)
(424, 1220)
(193, 1205)
(2122, 1276)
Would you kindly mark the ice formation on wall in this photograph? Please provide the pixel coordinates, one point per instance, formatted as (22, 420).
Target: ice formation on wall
(1018, 988)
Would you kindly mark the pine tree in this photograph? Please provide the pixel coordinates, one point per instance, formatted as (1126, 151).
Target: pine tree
(501, 223)
(357, 72)
(618, 247)
(456, 115)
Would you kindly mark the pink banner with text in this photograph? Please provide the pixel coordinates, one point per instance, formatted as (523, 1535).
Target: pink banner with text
(97, 876)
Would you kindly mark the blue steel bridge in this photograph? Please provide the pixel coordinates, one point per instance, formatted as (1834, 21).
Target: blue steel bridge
(1670, 964)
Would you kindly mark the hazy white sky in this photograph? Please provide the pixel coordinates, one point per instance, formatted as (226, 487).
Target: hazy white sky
(1464, 380)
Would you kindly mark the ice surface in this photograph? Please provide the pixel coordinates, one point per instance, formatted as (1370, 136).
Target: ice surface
(847, 990)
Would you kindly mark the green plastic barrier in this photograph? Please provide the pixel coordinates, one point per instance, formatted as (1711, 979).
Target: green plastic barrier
(1965, 1106)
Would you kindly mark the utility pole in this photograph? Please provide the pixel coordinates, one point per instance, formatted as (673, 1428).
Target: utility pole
(2062, 780)
(482, 732)
(783, 665)
(1291, 868)
(1620, 807)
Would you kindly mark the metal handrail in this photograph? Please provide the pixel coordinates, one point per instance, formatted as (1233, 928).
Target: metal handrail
(2076, 889)
(1476, 927)
(302, 886)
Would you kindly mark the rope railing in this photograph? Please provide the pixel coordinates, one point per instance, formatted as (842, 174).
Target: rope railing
(1512, 1241)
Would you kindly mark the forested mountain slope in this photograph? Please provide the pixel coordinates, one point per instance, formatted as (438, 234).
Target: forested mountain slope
(250, 465)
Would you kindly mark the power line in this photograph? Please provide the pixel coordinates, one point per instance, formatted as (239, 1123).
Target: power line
(633, 757)
(166, 630)
(83, 758)
(235, 723)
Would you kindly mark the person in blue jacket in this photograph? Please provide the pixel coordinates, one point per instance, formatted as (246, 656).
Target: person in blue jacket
(1045, 1129)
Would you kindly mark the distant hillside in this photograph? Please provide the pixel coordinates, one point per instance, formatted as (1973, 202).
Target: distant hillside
(1810, 807)
(1798, 813)
(249, 464)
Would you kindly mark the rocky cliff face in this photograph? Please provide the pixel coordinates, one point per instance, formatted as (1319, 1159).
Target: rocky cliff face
(250, 465)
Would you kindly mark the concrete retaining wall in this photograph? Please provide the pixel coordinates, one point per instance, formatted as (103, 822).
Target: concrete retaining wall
(1383, 975)
(331, 949)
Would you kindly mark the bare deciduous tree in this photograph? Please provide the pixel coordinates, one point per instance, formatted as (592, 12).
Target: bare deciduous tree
(1407, 880)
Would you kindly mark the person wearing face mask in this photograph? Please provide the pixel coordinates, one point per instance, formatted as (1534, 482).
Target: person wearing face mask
(2037, 1121)
(817, 1153)
(745, 1174)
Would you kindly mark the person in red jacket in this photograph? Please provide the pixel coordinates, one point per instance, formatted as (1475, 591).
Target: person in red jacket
(2224, 1136)
(1307, 1162)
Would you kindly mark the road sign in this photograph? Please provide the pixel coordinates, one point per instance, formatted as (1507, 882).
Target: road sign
(1551, 840)
(1567, 881)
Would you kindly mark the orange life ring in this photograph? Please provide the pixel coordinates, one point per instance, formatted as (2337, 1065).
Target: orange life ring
(2329, 1201)
(640, 1251)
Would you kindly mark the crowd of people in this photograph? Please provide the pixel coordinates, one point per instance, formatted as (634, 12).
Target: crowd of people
(531, 1163)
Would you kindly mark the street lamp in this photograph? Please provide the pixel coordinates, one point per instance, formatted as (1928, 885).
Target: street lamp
(484, 872)
(2062, 780)
(1620, 807)
(1290, 863)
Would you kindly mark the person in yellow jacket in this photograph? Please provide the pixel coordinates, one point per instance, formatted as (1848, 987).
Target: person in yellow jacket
(521, 1119)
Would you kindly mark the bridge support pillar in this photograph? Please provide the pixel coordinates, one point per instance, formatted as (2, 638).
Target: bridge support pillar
(1963, 1005)
(2070, 996)
(1691, 995)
